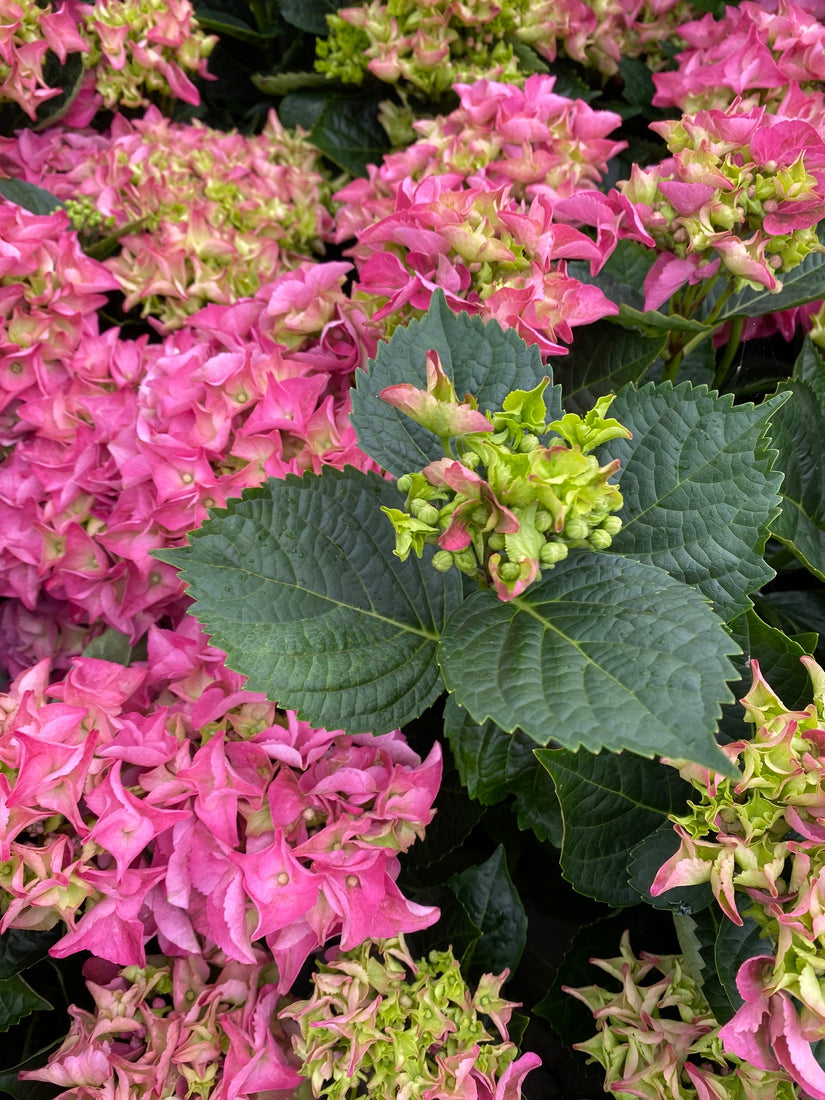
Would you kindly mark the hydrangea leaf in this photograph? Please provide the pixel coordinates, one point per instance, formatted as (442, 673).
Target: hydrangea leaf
(609, 804)
(699, 488)
(308, 15)
(18, 1000)
(722, 946)
(605, 652)
(798, 431)
(779, 659)
(492, 901)
(21, 948)
(348, 132)
(478, 357)
(34, 199)
(493, 764)
(298, 584)
(602, 359)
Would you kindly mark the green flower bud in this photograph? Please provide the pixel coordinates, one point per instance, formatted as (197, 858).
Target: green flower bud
(424, 511)
(443, 561)
(543, 521)
(599, 539)
(528, 442)
(576, 529)
(509, 571)
(496, 541)
(404, 483)
(552, 553)
(612, 525)
(466, 561)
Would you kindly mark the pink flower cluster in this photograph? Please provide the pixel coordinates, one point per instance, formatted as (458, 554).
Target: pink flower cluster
(28, 32)
(164, 800)
(489, 254)
(530, 139)
(171, 1029)
(760, 842)
(182, 242)
(769, 54)
(129, 49)
(115, 447)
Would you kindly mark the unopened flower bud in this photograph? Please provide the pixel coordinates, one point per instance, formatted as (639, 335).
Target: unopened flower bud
(424, 511)
(576, 528)
(552, 553)
(612, 525)
(509, 570)
(599, 539)
(529, 442)
(496, 541)
(479, 515)
(404, 483)
(442, 561)
(466, 561)
(543, 521)
(471, 460)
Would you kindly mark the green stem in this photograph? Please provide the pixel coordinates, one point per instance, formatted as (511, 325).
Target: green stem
(734, 339)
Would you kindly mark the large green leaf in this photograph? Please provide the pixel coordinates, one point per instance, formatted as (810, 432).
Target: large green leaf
(18, 1000)
(494, 764)
(605, 652)
(699, 488)
(31, 198)
(651, 853)
(493, 904)
(309, 15)
(609, 803)
(601, 360)
(806, 283)
(479, 357)
(348, 132)
(299, 585)
(723, 946)
(21, 948)
(798, 431)
(778, 657)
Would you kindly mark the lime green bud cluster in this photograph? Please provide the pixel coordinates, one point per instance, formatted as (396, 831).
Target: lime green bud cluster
(379, 1024)
(86, 218)
(427, 47)
(507, 505)
(658, 1038)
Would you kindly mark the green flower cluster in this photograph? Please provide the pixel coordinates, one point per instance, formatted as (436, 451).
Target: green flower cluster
(502, 506)
(428, 46)
(658, 1039)
(379, 1024)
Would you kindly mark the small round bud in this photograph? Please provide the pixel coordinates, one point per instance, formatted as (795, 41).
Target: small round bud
(471, 460)
(465, 560)
(599, 539)
(552, 553)
(576, 528)
(612, 525)
(544, 521)
(529, 442)
(496, 541)
(428, 514)
(509, 571)
(404, 483)
(442, 561)
(479, 515)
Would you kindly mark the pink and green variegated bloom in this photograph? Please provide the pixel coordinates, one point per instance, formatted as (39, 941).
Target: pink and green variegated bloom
(200, 1026)
(28, 33)
(507, 506)
(743, 190)
(383, 1025)
(657, 1038)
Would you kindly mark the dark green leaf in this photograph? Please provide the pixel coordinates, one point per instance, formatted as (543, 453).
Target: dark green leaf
(31, 198)
(303, 108)
(478, 357)
(649, 855)
(454, 928)
(309, 15)
(639, 88)
(299, 585)
(229, 26)
(492, 901)
(723, 947)
(277, 84)
(18, 1000)
(798, 431)
(528, 60)
(609, 804)
(494, 764)
(111, 645)
(698, 486)
(601, 360)
(455, 818)
(622, 277)
(605, 652)
(778, 657)
(11, 1085)
(21, 948)
(348, 131)
(652, 321)
(793, 610)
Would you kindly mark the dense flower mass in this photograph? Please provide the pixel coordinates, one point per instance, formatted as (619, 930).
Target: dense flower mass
(183, 244)
(383, 1025)
(201, 1025)
(760, 843)
(164, 800)
(657, 1038)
